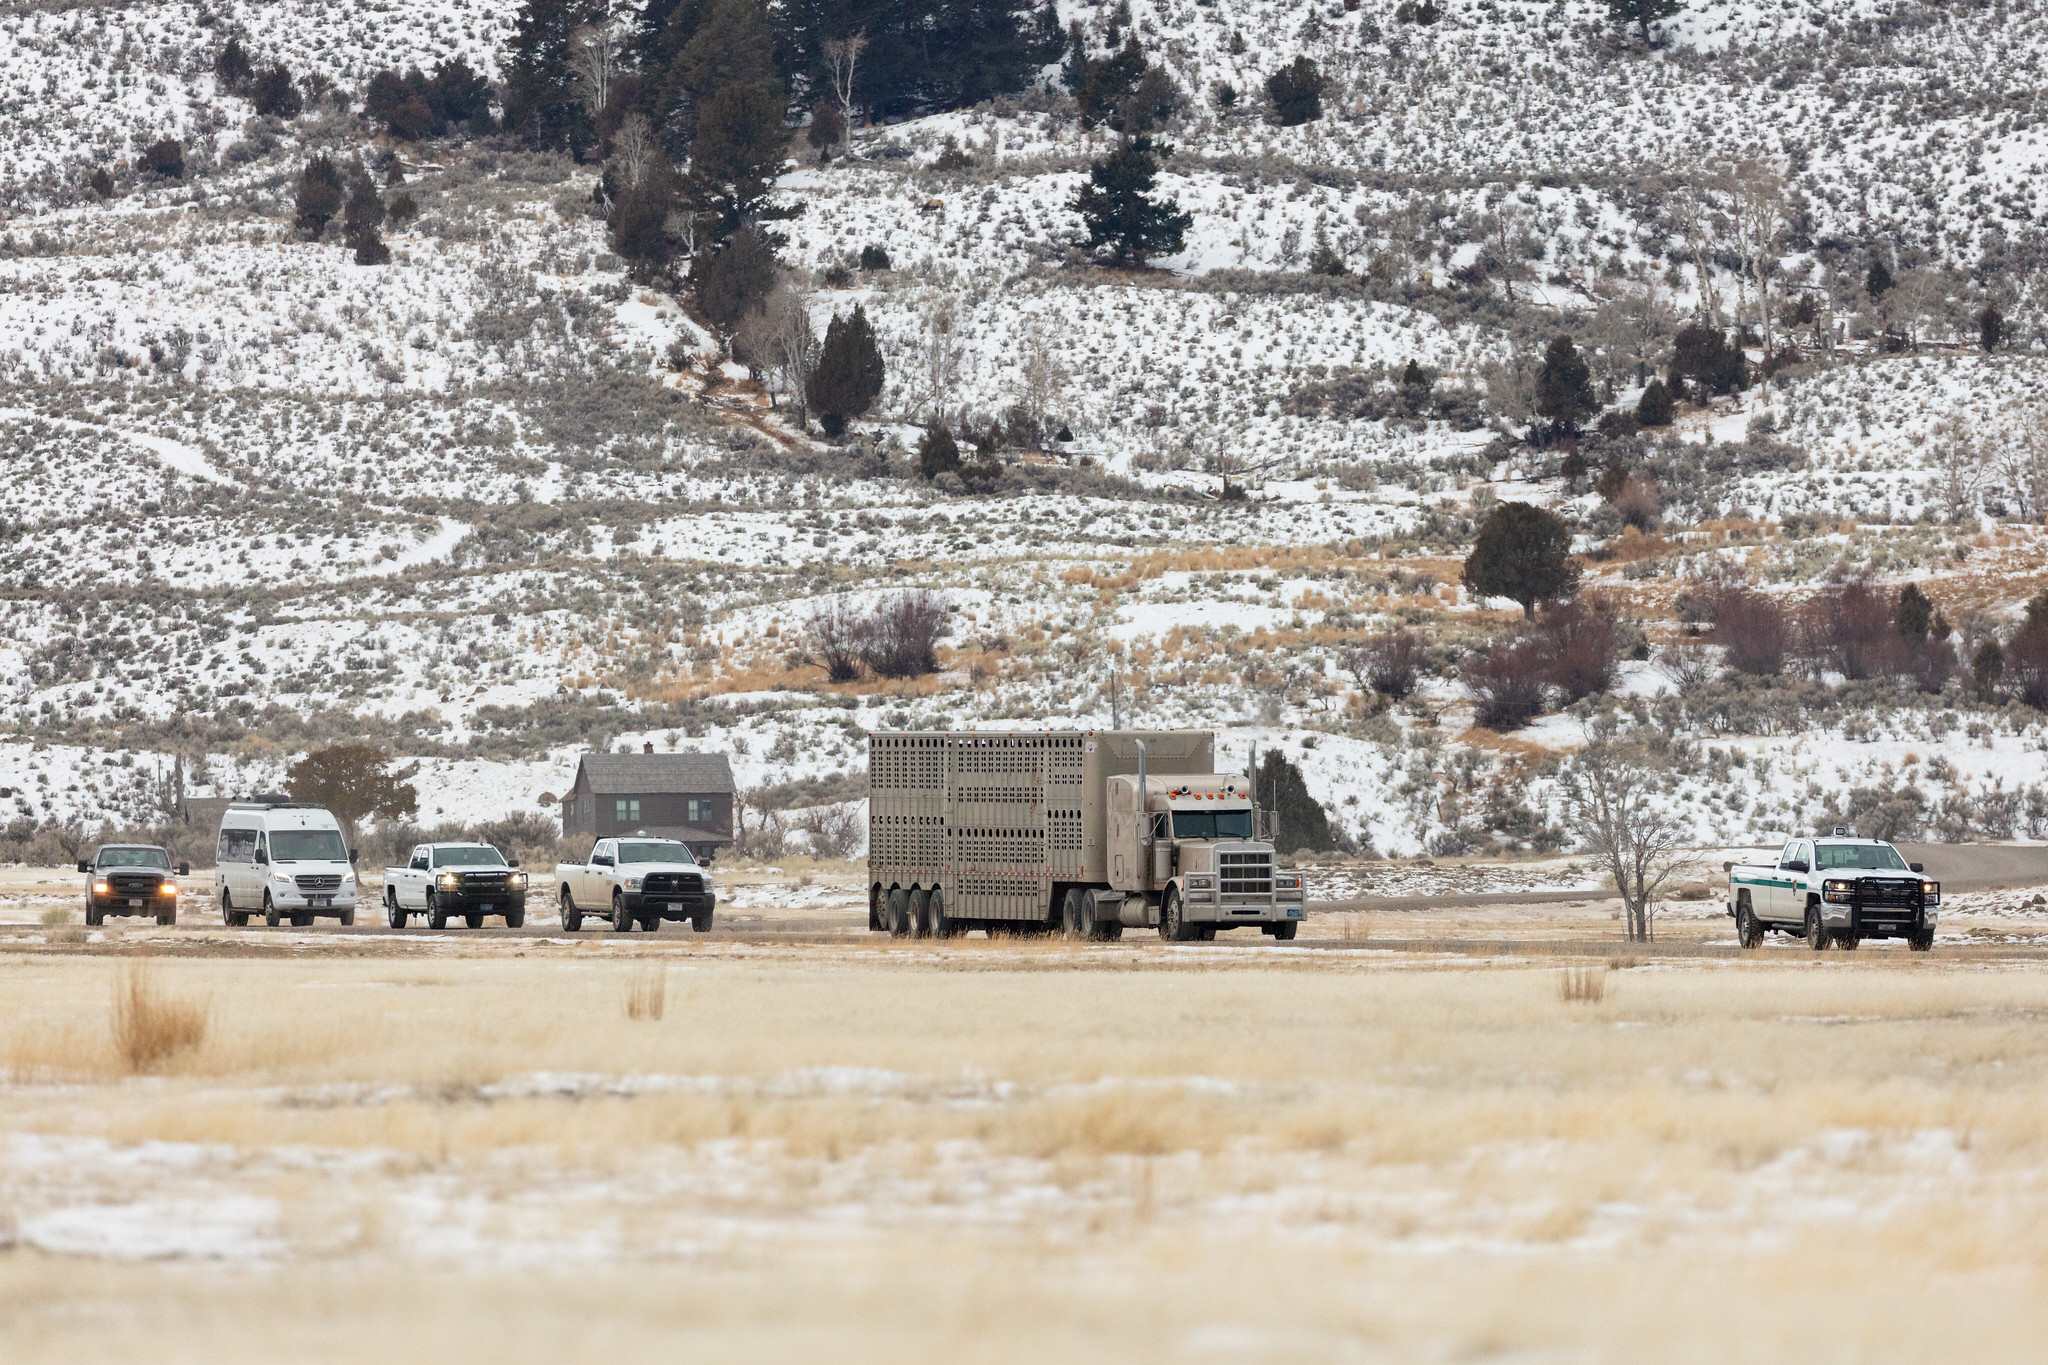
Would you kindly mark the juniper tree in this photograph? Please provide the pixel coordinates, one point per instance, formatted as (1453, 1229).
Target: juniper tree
(319, 197)
(1642, 13)
(1119, 209)
(1564, 386)
(1296, 91)
(849, 374)
(1522, 553)
(274, 94)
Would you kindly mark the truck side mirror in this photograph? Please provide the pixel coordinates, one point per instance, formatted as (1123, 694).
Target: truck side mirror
(263, 856)
(600, 860)
(184, 869)
(513, 863)
(1916, 867)
(1797, 865)
(84, 866)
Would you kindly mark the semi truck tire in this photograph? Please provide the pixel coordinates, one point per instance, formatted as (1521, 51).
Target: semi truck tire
(1070, 915)
(920, 913)
(899, 913)
(1284, 931)
(1173, 927)
(572, 918)
(943, 925)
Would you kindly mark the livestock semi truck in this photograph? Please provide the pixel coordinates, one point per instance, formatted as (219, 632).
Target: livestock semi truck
(1083, 832)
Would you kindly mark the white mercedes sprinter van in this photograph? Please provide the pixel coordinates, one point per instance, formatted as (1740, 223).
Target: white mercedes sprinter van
(285, 862)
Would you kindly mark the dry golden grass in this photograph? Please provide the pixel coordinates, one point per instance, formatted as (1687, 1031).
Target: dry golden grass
(1583, 985)
(150, 1027)
(647, 994)
(1014, 1150)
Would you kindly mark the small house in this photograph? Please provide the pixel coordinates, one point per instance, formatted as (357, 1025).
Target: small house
(687, 797)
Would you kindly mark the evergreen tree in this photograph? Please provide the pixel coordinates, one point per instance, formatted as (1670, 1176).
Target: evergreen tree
(639, 221)
(1877, 282)
(164, 157)
(1564, 387)
(1119, 211)
(1523, 553)
(319, 197)
(1296, 91)
(937, 452)
(1302, 821)
(740, 147)
(1914, 614)
(732, 50)
(232, 67)
(542, 103)
(1655, 408)
(1987, 668)
(274, 94)
(101, 183)
(1990, 327)
(849, 373)
(364, 213)
(1641, 13)
(735, 279)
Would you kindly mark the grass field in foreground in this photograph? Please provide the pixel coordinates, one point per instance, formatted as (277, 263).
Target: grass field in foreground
(989, 1154)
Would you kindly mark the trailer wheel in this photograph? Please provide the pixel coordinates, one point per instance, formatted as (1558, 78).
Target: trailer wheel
(899, 913)
(1070, 916)
(920, 913)
(943, 925)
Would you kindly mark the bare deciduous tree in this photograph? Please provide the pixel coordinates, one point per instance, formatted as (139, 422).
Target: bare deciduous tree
(1613, 804)
(2023, 461)
(1694, 210)
(834, 831)
(1959, 468)
(1042, 380)
(1759, 220)
(595, 51)
(842, 58)
(1506, 227)
(633, 148)
(792, 344)
(940, 354)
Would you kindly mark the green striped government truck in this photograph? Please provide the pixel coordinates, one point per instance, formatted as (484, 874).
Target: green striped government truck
(1836, 891)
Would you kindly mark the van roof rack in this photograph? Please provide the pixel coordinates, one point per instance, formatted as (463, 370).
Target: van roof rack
(265, 803)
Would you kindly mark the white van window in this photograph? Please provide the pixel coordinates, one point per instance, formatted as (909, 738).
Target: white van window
(307, 846)
(237, 846)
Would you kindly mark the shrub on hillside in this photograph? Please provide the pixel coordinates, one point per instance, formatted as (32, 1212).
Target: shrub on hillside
(1754, 630)
(1655, 408)
(1582, 645)
(413, 105)
(902, 637)
(1507, 682)
(232, 68)
(1849, 628)
(1389, 663)
(274, 93)
(164, 157)
(319, 198)
(1636, 502)
(1296, 92)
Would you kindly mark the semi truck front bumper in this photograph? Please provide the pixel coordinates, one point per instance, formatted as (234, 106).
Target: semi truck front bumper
(1242, 910)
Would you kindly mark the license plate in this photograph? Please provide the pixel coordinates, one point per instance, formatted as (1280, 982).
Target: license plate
(486, 908)
(133, 901)
(323, 901)
(675, 907)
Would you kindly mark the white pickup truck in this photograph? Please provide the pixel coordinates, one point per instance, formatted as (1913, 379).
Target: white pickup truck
(1835, 891)
(639, 879)
(442, 881)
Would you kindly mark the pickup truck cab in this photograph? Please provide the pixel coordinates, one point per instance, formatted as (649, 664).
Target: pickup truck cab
(1838, 890)
(131, 879)
(442, 881)
(636, 879)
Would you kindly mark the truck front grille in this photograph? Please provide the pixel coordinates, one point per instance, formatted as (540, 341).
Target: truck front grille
(318, 881)
(1245, 874)
(133, 884)
(1902, 894)
(672, 884)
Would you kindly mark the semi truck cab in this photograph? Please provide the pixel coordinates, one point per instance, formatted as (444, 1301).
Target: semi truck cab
(1203, 844)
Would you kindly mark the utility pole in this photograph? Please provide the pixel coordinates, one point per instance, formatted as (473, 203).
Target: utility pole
(1115, 713)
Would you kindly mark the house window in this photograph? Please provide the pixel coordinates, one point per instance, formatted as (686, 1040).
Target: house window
(626, 811)
(700, 810)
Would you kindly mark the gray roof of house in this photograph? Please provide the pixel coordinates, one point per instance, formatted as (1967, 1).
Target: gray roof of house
(680, 774)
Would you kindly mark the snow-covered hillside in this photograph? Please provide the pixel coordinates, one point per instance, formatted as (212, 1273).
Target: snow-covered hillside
(483, 505)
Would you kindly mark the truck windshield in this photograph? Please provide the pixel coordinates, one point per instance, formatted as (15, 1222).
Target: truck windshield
(653, 851)
(133, 857)
(1876, 857)
(468, 857)
(307, 846)
(1212, 824)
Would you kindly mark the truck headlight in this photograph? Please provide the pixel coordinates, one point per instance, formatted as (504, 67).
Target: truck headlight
(447, 879)
(1930, 893)
(1838, 890)
(632, 883)
(1288, 883)
(284, 877)
(1200, 883)
(168, 888)
(516, 882)
(99, 888)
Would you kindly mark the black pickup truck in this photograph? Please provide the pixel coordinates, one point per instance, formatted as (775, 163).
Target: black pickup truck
(132, 879)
